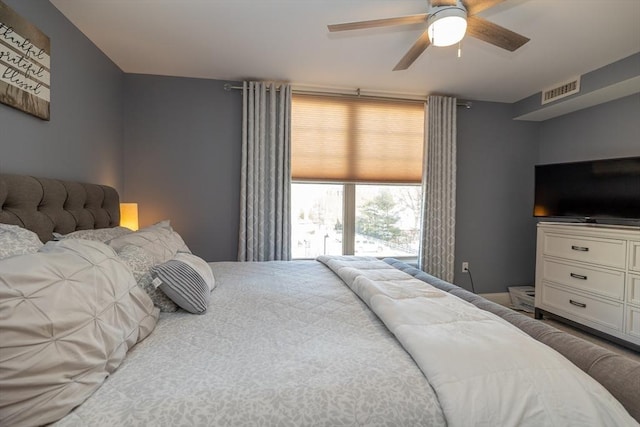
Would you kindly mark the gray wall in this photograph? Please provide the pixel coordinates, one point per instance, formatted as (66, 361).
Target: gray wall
(604, 131)
(83, 140)
(177, 152)
(607, 83)
(495, 229)
(182, 159)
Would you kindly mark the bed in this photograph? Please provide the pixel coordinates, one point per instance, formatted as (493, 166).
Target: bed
(333, 341)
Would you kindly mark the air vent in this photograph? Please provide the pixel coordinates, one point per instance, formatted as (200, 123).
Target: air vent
(560, 91)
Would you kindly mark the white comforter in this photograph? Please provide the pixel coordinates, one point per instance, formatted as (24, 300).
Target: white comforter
(485, 371)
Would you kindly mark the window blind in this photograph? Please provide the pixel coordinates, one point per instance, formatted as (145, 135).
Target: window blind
(339, 139)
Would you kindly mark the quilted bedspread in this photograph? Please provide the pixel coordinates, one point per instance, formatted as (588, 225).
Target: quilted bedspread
(282, 343)
(485, 371)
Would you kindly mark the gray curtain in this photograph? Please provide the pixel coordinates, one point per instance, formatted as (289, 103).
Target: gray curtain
(439, 188)
(265, 173)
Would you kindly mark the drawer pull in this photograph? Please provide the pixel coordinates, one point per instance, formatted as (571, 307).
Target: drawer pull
(578, 304)
(578, 276)
(580, 248)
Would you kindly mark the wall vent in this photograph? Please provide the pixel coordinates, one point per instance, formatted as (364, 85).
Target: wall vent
(561, 90)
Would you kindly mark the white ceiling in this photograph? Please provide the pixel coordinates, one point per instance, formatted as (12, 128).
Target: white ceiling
(288, 40)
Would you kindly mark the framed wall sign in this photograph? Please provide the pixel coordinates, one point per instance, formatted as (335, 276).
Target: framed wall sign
(25, 65)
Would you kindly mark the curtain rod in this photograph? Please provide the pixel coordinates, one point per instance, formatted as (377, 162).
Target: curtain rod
(466, 104)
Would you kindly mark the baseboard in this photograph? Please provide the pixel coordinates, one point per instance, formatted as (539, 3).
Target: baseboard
(501, 298)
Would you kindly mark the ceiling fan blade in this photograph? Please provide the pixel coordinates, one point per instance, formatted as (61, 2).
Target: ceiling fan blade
(477, 6)
(387, 22)
(416, 50)
(494, 34)
(438, 3)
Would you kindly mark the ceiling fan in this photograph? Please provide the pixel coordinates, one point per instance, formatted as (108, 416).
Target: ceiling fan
(447, 21)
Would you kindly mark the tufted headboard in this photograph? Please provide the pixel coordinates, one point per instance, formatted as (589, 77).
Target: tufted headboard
(49, 205)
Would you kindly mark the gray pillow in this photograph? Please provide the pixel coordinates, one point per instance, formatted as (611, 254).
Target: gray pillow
(15, 240)
(140, 261)
(183, 284)
(98, 234)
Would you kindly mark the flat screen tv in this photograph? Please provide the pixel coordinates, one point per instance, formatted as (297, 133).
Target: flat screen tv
(598, 190)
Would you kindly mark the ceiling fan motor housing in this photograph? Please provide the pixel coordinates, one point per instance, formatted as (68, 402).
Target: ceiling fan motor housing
(447, 24)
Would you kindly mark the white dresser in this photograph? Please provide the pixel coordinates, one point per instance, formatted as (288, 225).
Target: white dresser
(590, 274)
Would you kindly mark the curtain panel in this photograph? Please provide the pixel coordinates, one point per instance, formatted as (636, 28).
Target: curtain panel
(265, 211)
(439, 188)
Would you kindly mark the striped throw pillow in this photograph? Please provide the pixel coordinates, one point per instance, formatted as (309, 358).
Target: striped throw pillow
(183, 284)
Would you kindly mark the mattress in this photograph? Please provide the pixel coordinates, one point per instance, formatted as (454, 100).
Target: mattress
(283, 343)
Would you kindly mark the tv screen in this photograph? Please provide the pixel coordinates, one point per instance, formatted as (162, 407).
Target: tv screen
(592, 190)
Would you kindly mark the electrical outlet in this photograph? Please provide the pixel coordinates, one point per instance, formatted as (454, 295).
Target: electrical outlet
(465, 267)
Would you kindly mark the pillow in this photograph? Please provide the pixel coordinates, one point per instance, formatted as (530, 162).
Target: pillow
(163, 243)
(183, 283)
(69, 315)
(15, 240)
(166, 225)
(140, 261)
(99, 234)
(161, 224)
(200, 266)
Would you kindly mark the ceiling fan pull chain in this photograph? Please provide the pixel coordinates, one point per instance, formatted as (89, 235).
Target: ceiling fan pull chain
(459, 48)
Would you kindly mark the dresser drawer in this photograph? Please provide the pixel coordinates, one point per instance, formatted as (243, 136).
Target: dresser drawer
(633, 289)
(607, 252)
(607, 313)
(634, 256)
(608, 283)
(633, 322)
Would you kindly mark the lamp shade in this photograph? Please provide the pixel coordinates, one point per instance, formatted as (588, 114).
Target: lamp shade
(129, 215)
(447, 25)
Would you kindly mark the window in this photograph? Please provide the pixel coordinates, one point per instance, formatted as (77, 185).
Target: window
(387, 221)
(317, 221)
(356, 170)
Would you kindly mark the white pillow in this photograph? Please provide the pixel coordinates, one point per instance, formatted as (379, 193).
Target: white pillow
(15, 240)
(74, 310)
(163, 243)
(177, 239)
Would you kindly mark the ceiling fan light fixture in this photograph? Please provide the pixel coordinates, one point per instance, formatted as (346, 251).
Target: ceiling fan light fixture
(446, 25)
